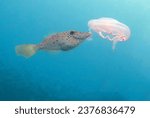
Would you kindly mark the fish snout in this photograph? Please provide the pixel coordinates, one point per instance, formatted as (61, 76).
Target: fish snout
(89, 34)
(86, 35)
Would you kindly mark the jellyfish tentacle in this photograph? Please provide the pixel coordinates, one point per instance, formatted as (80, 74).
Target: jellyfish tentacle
(114, 45)
(114, 42)
(108, 37)
(101, 34)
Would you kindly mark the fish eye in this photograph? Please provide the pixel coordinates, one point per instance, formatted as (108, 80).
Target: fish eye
(72, 32)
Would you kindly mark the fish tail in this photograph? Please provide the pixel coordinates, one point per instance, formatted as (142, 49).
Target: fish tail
(26, 50)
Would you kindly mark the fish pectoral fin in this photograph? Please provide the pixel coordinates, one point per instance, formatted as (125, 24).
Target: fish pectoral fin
(66, 48)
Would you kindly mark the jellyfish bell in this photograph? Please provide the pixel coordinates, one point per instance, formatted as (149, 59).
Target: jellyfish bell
(111, 29)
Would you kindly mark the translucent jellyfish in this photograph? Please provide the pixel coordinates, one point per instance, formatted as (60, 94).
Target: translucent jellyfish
(111, 29)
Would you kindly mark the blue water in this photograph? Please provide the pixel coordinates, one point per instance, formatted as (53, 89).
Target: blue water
(92, 71)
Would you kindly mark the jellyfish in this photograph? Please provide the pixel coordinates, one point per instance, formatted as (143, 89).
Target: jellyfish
(111, 29)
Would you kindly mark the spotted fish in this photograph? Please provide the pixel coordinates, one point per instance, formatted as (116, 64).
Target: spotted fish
(62, 41)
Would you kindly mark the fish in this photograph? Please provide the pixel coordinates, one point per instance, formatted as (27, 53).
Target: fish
(61, 41)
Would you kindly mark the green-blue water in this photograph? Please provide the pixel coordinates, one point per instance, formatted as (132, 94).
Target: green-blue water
(92, 71)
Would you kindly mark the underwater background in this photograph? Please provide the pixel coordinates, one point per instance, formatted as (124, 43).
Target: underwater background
(92, 71)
